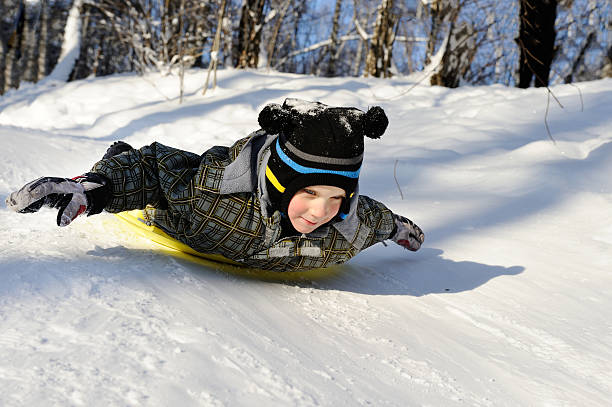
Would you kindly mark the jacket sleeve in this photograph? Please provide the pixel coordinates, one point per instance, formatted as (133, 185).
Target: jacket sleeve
(150, 175)
(376, 216)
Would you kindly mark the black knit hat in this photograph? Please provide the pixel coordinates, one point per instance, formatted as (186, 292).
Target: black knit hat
(317, 145)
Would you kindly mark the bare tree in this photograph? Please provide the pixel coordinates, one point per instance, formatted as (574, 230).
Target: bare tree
(579, 61)
(284, 35)
(473, 38)
(31, 34)
(606, 70)
(181, 52)
(444, 15)
(71, 44)
(246, 50)
(460, 44)
(457, 57)
(43, 39)
(408, 51)
(360, 21)
(3, 45)
(335, 44)
(149, 34)
(439, 12)
(582, 40)
(214, 53)
(378, 60)
(536, 41)
(274, 35)
(13, 54)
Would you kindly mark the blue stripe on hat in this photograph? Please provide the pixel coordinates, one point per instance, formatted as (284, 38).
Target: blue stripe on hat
(309, 170)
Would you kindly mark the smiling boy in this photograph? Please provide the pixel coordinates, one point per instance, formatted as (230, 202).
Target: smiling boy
(284, 198)
(314, 206)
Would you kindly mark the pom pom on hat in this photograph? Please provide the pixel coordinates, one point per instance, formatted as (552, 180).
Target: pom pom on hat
(375, 122)
(273, 119)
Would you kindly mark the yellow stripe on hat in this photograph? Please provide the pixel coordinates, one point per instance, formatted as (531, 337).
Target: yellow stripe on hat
(273, 180)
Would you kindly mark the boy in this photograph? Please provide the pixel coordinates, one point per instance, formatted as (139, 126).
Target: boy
(284, 198)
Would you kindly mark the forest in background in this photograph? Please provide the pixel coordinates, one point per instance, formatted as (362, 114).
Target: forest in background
(476, 42)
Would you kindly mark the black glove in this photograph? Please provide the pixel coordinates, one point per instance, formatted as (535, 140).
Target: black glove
(87, 193)
(408, 234)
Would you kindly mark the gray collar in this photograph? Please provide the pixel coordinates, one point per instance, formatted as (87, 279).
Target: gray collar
(243, 175)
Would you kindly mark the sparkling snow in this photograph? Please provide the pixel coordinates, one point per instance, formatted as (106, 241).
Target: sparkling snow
(508, 302)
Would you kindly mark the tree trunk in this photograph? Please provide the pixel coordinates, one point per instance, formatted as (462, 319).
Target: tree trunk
(181, 52)
(246, 52)
(43, 40)
(435, 31)
(457, 58)
(606, 70)
(569, 78)
(165, 31)
(378, 60)
(214, 54)
(3, 50)
(362, 44)
(274, 37)
(409, 50)
(536, 41)
(81, 69)
(30, 42)
(71, 44)
(444, 13)
(333, 48)
(12, 70)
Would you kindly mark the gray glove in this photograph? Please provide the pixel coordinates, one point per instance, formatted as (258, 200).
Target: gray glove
(408, 234)
(86, 193)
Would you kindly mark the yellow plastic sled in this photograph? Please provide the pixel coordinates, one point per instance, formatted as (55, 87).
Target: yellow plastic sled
(135, 221)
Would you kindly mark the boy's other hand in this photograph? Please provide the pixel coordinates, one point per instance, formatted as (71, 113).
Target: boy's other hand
(71, 197)
(408, 234)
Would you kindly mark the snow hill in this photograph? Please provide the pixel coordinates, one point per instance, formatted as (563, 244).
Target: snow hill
(508, 303)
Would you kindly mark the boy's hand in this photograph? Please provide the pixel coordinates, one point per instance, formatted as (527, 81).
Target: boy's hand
(72, 197)
(408, 234)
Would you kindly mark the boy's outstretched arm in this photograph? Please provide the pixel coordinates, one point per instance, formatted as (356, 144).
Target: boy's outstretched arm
(131, 180)
(136, 176)
(388, 225)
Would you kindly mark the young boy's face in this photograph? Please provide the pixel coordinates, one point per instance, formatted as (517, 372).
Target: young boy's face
(314, 206)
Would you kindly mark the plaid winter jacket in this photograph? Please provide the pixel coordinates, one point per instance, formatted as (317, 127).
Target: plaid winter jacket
(216, 203)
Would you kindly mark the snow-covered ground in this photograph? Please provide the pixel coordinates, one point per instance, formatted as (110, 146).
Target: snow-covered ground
(508, 303)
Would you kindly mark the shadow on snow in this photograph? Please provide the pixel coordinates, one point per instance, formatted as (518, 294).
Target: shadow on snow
(427, 272)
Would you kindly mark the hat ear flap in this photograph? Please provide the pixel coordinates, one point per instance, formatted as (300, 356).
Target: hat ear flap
(375, 122)
(273, 119)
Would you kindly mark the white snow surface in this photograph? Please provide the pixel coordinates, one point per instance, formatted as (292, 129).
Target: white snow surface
(508, 302)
